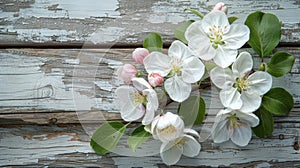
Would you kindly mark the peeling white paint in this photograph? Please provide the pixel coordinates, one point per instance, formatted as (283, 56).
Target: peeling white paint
(108, 34)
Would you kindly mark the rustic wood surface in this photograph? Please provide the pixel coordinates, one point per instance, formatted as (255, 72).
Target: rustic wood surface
(59, 88)
(72, 86)
(120, 22)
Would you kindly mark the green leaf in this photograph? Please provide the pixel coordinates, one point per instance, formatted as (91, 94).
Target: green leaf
(153, 42)
(278, 101)
(192, 110)
(179, 31)
(232, 19)
(266, 123)
(265, 32)
(106, 137)
(280, 64)
(196, 12)
(138, 137)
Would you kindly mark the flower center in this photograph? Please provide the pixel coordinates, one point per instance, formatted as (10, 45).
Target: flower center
(180, 142)
(169, 131)
(138, 98)
(242, 84)
(234, 121)
(175, 68)
(216, 35)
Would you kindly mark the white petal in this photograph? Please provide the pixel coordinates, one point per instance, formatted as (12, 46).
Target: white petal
(151, 107)
(153, 127)
(243, 64)
(140, 84)
(225, 57)
(222, 78)
(224, 112)
(166, 120)
(132, 112)
(241, 135)
(157, 62)
(191, 147)
(216, 18)
(129, 110)
(149, 115)
(179, 125)
(193, 31)
(231, 98)
(237, 36)
(261, 82)
(192, 70)
(248, 118)
(251, 102)
(190, 131)
(179, 50)
(177, 89)
(170, 153)
(195, 36)
(220, 131)
(171, 119)
(151, 98)
(124, 95)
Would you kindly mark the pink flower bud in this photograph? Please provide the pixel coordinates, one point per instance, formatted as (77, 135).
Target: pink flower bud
(127, 72)
(221, 7)
(139, 54)
(155, 79)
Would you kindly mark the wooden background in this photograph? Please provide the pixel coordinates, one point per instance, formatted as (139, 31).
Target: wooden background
(57, 65)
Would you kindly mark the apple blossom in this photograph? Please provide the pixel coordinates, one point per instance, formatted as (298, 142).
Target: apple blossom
(239, 88)
(155, 79)
(180, 66)
(127, 72)
(171, 151)
(139, 54)
(214, 38)
(167, 127)
(234, 125)
(138, 101)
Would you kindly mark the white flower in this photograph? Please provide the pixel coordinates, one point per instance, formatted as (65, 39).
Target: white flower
(167, 127)
(171, 151)
(234, 125)
(138, 101)
(180, 66)
(239, 88)
(177, 141)
(214, 38)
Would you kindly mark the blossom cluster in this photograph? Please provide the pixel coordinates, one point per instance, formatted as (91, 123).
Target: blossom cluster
(213, 40)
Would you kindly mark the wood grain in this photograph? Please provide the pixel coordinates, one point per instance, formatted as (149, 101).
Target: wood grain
(69, 147)
(70, 86)
(62, 23)
(52, 100)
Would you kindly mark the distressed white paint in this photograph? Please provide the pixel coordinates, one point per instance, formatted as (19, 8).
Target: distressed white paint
(125, 22)
(32, 144)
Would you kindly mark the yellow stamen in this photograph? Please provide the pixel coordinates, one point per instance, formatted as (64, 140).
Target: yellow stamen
(169, 130)
(138, 98)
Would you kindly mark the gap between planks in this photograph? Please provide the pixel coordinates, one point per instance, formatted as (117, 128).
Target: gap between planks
(89, 45)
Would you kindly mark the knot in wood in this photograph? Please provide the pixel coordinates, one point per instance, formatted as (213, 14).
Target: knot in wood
(53, 121)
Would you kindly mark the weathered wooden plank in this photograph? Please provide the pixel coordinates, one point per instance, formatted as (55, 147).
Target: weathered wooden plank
(69, 147)
(67, 86)
(122, 22)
